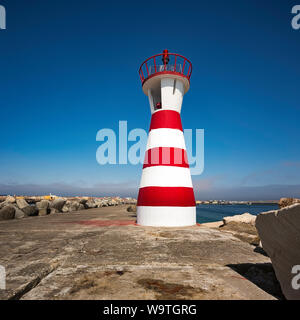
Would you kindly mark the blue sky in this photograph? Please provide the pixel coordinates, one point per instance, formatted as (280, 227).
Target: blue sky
(70, 68)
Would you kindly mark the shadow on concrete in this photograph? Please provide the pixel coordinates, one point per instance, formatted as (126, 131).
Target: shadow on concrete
(262, 275)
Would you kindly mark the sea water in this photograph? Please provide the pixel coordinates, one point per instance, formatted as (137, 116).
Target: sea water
(215, 212)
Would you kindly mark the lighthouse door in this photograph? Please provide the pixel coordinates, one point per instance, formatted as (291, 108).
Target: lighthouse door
(155, 97)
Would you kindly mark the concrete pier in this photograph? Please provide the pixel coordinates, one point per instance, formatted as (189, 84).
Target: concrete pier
(101, 254)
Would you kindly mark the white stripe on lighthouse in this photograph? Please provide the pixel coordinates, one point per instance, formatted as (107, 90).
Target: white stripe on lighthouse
(166, 176)
(165, 138)
(166, 216)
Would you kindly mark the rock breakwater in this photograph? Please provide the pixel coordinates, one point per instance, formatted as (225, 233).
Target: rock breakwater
(21, 207)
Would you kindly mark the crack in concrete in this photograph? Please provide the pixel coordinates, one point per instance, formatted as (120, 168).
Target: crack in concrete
(21, 291)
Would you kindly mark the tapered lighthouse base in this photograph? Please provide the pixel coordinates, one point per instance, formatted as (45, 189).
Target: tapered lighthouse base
(166, 216)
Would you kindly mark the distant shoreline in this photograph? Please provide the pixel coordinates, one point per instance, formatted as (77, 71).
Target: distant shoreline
(34, 198)
(232, 202)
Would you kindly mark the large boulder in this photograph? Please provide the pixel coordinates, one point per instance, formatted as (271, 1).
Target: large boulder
(31, 211)
(58, 204)
(44, 207)
(285, 202)
(279, 231)
(7, 201)
(26, 208)
(242, 226)
(241, 218)
(44, 211)
(7, 213)
(43, 204)
(19, 214)
(104, 203)
(111, 202)
(84, 200)
(65, 208)
(74, 205)
(3, 204)
(98, 202)
(22, 203)
(90, 204)
(10, 199)
(131, 208)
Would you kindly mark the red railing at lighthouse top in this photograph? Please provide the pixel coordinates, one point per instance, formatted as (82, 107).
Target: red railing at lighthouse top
(165, 63)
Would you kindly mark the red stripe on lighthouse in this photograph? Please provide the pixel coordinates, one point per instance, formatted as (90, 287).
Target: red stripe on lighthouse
(166, 119)
(166, 156)
(166, 197)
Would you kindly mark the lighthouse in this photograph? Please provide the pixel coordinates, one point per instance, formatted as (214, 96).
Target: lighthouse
(166, 196)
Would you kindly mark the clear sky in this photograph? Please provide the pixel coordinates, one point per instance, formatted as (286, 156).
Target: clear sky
(70, 68)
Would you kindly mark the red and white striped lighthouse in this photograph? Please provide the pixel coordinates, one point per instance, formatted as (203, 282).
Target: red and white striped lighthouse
(166, 195)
